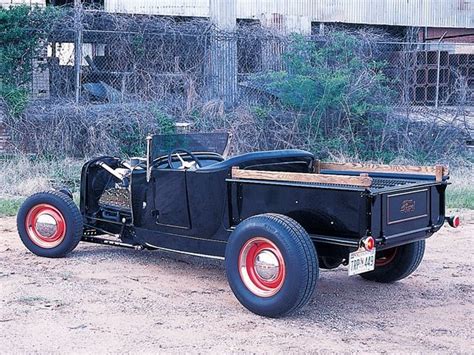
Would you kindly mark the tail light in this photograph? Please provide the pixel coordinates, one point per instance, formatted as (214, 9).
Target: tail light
(368, 243)
(454, 221)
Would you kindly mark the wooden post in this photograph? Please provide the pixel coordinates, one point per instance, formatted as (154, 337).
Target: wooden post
(437, 77)
(439, 169)
(317, 166)
(77, 48)
(224, 51)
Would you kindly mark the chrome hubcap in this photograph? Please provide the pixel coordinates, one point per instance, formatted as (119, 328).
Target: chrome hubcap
(266, 265)
(46, 225)
(261, 267)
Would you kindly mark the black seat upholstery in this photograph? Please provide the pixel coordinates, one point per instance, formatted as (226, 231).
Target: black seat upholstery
(264, 158)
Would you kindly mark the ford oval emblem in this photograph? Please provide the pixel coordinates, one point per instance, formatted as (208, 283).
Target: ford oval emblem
(407, 206)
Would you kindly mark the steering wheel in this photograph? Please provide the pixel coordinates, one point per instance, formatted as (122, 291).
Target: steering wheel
(184, 164)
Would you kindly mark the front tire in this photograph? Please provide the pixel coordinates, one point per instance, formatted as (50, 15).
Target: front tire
(49, 224)
(271, 265)
(396, 263)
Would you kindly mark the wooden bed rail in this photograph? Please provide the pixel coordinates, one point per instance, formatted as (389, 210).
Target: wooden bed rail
(363, 180)
(438, 170)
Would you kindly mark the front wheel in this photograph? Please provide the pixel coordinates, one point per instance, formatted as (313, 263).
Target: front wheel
(49, 224)
(396, 263)
(271, 265)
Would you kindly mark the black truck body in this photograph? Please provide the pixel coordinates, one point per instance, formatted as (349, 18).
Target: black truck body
(167, 202)
(202, 207)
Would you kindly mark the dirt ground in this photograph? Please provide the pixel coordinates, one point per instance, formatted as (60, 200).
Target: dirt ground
(108, 300)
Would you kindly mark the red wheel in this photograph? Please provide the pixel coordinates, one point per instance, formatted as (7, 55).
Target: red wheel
(261, 267)
(45, 226)
(271, 264)
(396, 263)
(49, 224)
(386, 257)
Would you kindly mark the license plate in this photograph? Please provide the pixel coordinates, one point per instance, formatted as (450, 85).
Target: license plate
(361, 261)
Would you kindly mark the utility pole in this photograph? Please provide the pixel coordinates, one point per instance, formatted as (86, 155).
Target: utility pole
(77, 48)
(438, 69)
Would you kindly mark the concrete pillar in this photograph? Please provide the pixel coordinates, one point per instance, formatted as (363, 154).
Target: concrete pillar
(273, 46)
(5, 138)
(40, 79)
(223, 66)
(298, 24)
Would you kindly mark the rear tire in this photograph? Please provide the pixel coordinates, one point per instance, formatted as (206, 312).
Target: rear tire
(49, 224)
(271, 265)
(329, 262)
(396, 263)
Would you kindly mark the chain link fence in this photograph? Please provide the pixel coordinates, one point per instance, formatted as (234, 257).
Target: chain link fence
(129, 58)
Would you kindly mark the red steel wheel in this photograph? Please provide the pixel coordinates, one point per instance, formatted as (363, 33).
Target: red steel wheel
(386, 257)
(271, 264)
(262, 267)
(45, 226)
(49, 224)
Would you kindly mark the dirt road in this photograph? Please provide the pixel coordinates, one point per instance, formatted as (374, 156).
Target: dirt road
(101, 299)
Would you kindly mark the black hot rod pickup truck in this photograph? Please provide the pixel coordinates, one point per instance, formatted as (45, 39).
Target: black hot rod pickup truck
(276, 217)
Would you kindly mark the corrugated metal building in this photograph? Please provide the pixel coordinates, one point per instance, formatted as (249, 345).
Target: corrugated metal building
(430, 21)
(298, 15)
(419, 13)
(5, 3)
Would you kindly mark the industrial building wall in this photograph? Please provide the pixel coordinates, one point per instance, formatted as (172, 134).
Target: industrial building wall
(5, 3)
(419, 13)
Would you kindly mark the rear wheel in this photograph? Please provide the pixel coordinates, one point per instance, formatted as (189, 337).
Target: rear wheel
(271, 265)
(329, 262)
(396, 263)
(49, 224)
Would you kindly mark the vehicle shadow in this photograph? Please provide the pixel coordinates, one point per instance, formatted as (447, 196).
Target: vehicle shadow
(337, 296)
(148, 257)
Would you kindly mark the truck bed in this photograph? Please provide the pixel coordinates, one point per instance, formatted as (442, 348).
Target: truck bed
(379, 184)
(395, 208)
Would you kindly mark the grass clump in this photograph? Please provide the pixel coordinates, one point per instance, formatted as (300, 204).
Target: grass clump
(23, 176)
(460, 194)
(9, 206)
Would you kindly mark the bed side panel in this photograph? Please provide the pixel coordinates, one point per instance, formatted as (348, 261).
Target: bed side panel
(320, 211)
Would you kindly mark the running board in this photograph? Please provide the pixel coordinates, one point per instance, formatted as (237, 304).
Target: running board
(96, 240)
(207, 256)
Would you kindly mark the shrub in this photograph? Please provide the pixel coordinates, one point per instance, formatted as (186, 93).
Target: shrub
(340, 92)
(23, 30)
(334, 99)
(16, 99)
(80, 131)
